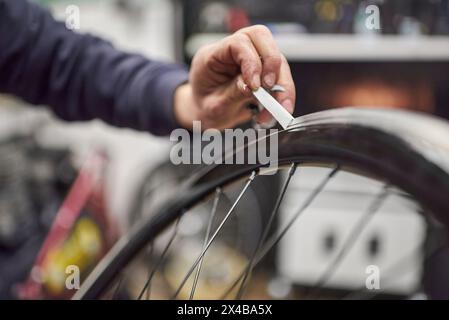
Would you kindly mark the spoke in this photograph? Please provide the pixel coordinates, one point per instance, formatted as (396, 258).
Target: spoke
(271, 242)
(250, 266)
(149, 272)
(351, 240)
(206, 239)
(203, 252)
(161, 258)
(117, 288)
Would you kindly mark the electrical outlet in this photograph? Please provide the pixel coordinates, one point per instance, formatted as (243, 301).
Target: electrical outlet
(391, 240)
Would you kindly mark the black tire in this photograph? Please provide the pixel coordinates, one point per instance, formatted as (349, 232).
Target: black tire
(408, 150)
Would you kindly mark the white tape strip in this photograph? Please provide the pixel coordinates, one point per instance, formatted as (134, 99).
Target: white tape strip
(275, 108)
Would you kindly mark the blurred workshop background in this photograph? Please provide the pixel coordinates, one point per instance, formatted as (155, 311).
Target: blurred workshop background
(336, 61)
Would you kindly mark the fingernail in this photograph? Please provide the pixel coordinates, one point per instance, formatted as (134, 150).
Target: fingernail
(255, 82)
(288, 105)
(242, 86)
(270, 79)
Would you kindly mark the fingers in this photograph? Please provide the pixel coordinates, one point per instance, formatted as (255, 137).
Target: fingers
(237, 96)
(287, 98)
(264, 117)
(268, 51)
(229, 101)
(226, 72)
(245, 55)
(256, 52)
(241, 90)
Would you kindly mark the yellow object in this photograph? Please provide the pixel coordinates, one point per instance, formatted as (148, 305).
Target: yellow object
(82, 249)
(327, 10)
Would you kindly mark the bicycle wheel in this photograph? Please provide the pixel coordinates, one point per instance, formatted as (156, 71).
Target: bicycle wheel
(406, 154)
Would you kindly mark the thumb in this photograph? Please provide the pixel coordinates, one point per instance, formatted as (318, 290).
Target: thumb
(228, 104)
(238, 93)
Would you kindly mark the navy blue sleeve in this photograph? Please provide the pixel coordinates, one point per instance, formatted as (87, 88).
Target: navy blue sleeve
(82, 77)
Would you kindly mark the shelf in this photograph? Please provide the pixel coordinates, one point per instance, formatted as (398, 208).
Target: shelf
(328, 47)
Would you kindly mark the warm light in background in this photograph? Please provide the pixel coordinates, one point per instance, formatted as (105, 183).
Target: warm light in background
(372, 93)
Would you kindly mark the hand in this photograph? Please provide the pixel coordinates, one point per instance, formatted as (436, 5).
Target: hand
(223, 74)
